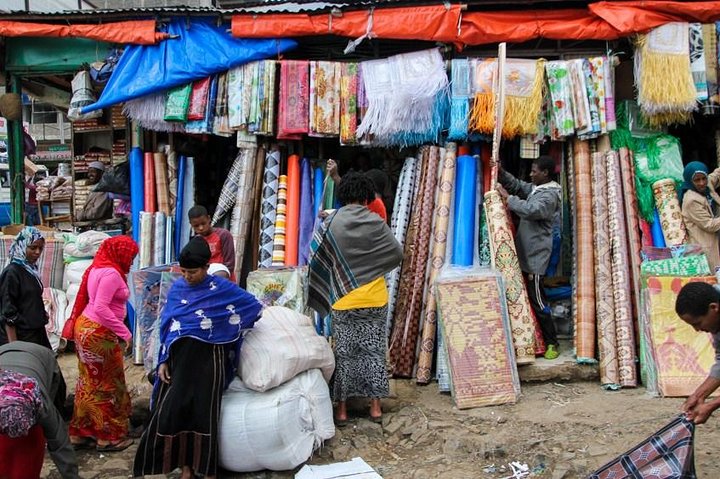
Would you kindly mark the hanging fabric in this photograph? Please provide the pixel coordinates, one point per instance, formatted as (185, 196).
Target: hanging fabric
(348, 103)
(294, 98)
(324, 106)
(460, 90)
(560, 90)
(697, 61)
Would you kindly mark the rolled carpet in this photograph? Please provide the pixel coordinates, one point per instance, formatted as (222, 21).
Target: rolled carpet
(670, 213)
(604, 299)
(437, 261)
(137, 189)
(584, 291)
(161, 183)
(150, 186)
(464, 220)
(625, 333)
(278, 257)
(269, 208)
(292, 218)
(505, 260)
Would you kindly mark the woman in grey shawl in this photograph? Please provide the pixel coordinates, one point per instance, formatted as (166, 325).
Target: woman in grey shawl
(352, 252)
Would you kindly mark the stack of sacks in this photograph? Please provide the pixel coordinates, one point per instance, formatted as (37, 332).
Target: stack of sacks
(78, 254)
(82, 190)
(279, 411)
(47, 185)
(63, 191)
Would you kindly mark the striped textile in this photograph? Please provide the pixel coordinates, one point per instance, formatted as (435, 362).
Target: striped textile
(278, 256)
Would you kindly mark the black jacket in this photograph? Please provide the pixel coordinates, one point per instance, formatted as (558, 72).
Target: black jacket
(21, 303)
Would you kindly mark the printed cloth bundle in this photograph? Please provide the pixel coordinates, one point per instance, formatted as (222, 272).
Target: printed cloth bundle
(177, 103)
(558, 78)
(407, 98)
(349, 78)
(693, 265)
(667, 92)
(279, 287)
(293, 115)
(524, 96)
(221, 120)
(208, 94)
(324, 101)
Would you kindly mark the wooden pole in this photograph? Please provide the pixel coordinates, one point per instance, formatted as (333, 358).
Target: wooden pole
(499, 94)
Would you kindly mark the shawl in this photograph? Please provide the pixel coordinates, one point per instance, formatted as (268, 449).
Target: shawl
(688, 173)
(117, 252)
(559, 86)
(459, 99)
(340, 251)
(20, 403)
(215, 311)
(293, 114)
(18, 249)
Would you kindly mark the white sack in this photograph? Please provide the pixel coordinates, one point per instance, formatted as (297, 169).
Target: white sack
(84, 245)
(74, 272)
(83, 95)
(281, 345)
(278, 429)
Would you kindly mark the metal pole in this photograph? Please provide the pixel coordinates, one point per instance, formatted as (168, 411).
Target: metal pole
(16, 159)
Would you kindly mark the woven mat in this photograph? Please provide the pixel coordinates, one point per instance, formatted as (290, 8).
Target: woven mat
(477, 341)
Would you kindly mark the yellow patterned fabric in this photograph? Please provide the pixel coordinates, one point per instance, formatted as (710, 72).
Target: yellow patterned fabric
(505, 260)
(683, 357)
(671, 219)
(372, 295)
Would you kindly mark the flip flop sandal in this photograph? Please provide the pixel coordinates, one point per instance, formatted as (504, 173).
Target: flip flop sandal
(116, 446)
(84, 444)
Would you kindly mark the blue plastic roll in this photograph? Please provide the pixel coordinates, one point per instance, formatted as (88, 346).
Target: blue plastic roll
(137, 189)
(658, 238)
(182, 166)
(318, 190)
(464, 219)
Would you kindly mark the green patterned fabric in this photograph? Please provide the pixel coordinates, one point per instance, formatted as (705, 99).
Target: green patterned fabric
(696, 265)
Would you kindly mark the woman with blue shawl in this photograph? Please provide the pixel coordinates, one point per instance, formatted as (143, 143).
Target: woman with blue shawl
(700, 204)
(201, 329)
(22, 312)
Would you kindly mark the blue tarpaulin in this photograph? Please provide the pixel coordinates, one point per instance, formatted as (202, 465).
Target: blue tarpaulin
(201, 49)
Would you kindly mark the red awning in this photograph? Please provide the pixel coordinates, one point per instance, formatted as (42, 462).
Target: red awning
(431, 23)
(139, 32)
(600, 21)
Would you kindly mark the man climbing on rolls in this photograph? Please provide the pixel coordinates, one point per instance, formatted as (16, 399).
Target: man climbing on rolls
(537, 204)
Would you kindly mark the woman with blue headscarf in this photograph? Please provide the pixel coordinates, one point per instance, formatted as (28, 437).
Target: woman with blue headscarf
(700, 204)
(22, 312)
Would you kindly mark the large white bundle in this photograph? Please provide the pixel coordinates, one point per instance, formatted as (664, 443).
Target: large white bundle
(84, 245)
(71, 295)
(280, 346)
(278, 429)
(74, 272)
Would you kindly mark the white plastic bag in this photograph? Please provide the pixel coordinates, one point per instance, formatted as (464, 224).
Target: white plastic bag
(282, 344)
(83, 95)
(74, 272)
(278, 429)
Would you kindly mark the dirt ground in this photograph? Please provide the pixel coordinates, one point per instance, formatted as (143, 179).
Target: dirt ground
(560, 430)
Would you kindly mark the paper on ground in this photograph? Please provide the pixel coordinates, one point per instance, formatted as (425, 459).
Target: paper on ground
(355, 469)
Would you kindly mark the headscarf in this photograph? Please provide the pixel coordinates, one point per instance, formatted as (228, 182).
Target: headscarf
(691, 169)
(18, 249)
(20, 403)
(117, 252)
(195, 254)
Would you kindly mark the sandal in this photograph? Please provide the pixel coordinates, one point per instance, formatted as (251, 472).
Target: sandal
(86, 443)
(116, 446)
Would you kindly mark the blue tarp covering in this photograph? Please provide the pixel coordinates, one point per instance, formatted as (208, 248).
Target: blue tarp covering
(201, 49)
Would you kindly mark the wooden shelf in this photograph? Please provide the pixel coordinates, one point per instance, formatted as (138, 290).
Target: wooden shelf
(103, 129)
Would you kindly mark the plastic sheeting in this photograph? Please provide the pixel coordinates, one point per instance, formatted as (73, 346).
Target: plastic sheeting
(137, 32)
(600, 21)
(147, 69)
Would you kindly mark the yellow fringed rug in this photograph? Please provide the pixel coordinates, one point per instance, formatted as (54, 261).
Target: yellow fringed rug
(666, 90)
(524, 82)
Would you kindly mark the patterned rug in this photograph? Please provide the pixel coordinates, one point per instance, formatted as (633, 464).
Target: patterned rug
(624, 326)
(407, 314)
(243, 207)
(399, 223)
(682, 357)
(437, 261)
(632, 220)
(269, 208)
(667, 454)
(604, 300)
(584, 289)
(478, 340)
(505, 260)
(668, 206)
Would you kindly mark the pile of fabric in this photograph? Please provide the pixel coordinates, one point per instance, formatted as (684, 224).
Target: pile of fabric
(279, 410)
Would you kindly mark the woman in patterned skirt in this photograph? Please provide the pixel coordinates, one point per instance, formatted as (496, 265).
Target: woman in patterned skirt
(201, 331)
(102, 403)
(352, 252)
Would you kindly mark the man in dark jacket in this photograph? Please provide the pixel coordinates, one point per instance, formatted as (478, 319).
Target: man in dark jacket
(537, 204)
